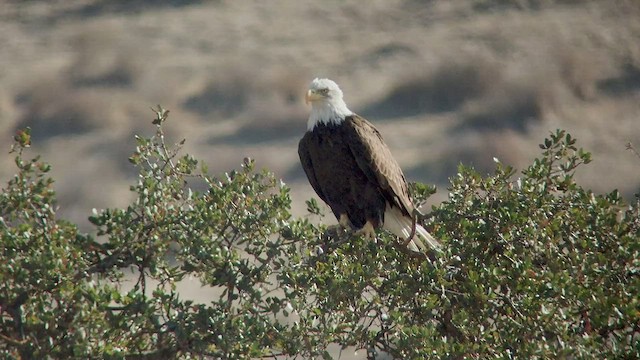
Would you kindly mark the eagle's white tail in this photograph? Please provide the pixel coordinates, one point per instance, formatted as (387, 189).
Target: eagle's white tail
(400, 225)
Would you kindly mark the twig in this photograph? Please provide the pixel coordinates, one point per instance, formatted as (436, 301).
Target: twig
(630, 146)
(414, 217)
(13, 341)
(403, 248)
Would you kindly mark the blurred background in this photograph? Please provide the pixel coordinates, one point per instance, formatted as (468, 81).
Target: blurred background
(445, 81)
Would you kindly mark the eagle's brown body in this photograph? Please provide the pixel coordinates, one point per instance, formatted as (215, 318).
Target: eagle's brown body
(352, 170)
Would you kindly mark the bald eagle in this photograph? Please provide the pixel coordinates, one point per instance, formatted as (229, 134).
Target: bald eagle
(352, 170)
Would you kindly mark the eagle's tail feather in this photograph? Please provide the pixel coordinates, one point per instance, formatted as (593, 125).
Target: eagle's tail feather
(401, 225)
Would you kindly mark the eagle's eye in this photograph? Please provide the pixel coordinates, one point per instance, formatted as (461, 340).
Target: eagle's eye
(323, 91)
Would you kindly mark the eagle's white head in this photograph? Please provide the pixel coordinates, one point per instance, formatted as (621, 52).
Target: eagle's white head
(327, 105)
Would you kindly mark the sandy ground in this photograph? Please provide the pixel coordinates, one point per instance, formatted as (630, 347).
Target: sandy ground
(446, 82)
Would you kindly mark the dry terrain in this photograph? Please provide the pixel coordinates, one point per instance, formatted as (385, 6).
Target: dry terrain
(446, 82)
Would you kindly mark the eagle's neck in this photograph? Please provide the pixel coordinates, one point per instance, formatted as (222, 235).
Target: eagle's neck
(328, 113)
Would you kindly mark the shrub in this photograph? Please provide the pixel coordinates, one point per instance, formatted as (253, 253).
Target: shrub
(535, 267)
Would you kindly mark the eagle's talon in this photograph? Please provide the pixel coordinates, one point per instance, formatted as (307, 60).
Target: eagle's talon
(367, 231)
(344, 221)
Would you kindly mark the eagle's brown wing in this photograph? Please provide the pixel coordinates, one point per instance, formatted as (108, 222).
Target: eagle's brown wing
(375, 159)
(305, 160)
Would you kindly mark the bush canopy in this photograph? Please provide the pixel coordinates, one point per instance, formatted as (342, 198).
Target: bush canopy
(534, 266)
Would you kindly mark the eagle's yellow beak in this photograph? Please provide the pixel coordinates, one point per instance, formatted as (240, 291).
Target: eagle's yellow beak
(312, 96)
